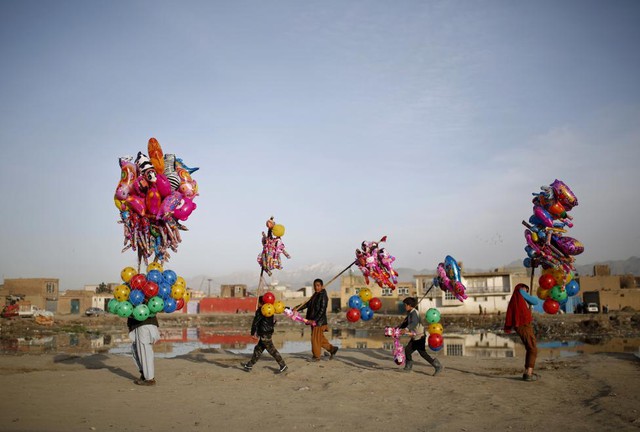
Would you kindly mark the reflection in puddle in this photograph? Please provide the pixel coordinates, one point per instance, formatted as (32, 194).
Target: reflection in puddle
(181, 341)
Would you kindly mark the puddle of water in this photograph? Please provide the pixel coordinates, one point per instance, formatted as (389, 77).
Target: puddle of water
(181, 341)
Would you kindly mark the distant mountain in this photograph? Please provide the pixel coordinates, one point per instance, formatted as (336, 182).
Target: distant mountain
(304, 276)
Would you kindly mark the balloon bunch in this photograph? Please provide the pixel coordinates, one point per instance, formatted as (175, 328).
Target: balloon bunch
(435, 329)
(154, 193)
(548, 248)
(449, 278)
(376, 263)
(362, 306)
(271, 306)
(144, 295)
(272, 247)
(398, 350)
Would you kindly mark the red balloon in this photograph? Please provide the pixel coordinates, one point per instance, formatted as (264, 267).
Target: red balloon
(179, 304)
(547, 281)
(375, 304)
(138, 281)
(268, 297)
(551, 306)
(435, 340)
(353, 315)
(150, 289)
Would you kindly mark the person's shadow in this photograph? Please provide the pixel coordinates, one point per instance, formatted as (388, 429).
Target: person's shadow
(94, 361)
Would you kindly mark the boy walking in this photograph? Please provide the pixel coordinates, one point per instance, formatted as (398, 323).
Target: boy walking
(264, 326)
(414, 327)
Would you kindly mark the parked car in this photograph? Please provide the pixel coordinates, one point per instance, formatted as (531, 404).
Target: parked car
(94, 311)
(592, 308)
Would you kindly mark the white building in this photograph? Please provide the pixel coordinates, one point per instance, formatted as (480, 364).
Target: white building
(489, 292)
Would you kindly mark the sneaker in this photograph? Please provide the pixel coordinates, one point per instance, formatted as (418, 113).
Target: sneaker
(532, 377)
(314, 359)
(247, 367)
(142, 382)
(333, 352)
(408, 366)
(438, 366)
(282, 369)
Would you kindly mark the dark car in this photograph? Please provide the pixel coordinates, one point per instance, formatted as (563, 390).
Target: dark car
(94, 311)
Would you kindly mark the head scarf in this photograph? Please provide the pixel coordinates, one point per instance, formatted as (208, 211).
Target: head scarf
(518, 313)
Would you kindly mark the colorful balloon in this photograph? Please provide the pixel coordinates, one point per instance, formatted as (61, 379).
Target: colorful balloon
(278, 230)
(121, 293)
(268, 310)
(432, 316)
(547, 281)
(365, 294)
(155, 304)
(353, 315)
(366, 313)
(435, 328)
(572, 288)
(170, 276)
(435, 341)
(124, 309)
(138, 281)
(127, 273)
(112, 306)
(355, 302)
(375, 304)
(169, 305)
(141, 312)
(268, 297)
(136, 297)
(278, 306)
(177, 292)
(150, 289)
(558, 293)
(551, 306)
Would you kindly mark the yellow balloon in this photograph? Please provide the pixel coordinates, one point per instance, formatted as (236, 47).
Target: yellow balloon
(155, 265)
(365, 294)
(278, 307)
(177, 292)
(278, 230)
(542, 293)
(268, 310)
(435, 328)
(186, 296)
(127, 273)
(121, 293)
(180, 282)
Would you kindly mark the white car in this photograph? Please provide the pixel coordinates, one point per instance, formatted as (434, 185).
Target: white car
(592, 308)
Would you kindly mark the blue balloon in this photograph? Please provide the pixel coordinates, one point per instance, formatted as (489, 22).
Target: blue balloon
(355, 302)
(436, 349)
(136, 297)
(526, 262)
(169, 305)
(170, 276)
(452, 268)
(366, 313)
(572, 288)
(155, 276)
(164, 290)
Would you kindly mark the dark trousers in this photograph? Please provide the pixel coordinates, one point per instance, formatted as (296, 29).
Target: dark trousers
(529, 340)
(418, 345)
(266, 343)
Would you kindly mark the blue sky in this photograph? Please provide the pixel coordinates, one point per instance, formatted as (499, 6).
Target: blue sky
(429, 121)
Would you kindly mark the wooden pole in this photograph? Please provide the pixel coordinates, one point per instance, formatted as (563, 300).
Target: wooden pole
(338, 275)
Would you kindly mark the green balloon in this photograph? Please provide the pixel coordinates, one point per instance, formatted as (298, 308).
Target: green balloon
(558, 293)
(112, 306)
(125, 309)
(155, 304)
(432, 316)
(141, 312)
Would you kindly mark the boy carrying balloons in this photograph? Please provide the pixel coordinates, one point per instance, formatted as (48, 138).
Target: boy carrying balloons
(263, 326)
(413, 326)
